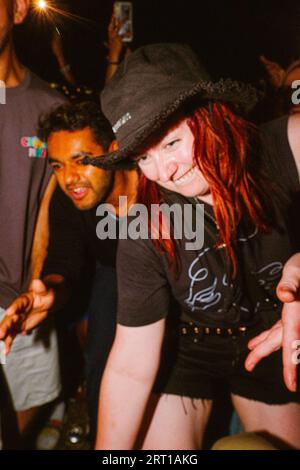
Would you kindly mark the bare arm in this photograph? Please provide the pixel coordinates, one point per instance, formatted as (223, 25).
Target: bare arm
(294, 137)
(57, 49)
(115, 47)
(127, 383)
(41, 235)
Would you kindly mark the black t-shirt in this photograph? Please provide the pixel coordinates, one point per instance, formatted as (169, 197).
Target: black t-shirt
(205, 288)
(73, 241)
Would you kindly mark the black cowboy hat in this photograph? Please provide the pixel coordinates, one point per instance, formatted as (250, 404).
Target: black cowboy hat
(149, 86)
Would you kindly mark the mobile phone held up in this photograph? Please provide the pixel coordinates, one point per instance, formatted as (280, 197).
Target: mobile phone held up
(123, 15)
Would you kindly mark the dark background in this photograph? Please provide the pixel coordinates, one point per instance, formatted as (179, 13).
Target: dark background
(228, 35)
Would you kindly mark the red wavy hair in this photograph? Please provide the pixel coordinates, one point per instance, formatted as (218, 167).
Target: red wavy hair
(222, 142)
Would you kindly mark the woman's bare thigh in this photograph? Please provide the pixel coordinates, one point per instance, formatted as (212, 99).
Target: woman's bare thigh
(281, 422)
(176, 423)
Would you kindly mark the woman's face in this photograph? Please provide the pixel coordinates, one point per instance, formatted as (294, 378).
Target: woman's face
(170, 163)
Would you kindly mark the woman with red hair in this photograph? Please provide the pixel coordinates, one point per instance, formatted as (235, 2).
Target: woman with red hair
(167, 363)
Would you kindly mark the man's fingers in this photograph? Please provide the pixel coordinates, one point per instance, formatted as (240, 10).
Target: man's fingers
(38, 286)
(286, 293)
(288, 288)
(262, 336)
(17, 305)
(290, 341)
(7, 324)
(34, 320)
(270, 344)
(20, 305)
(258, 339)
(7, 343)
(10, 329)
(3, 330)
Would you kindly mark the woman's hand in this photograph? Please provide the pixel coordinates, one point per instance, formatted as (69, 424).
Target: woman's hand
(286, 332)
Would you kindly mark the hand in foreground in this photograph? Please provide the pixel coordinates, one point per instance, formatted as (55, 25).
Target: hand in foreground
(286, 332)
(26, 312)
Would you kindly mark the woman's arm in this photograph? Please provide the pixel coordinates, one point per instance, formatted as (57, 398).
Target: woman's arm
(127, 382)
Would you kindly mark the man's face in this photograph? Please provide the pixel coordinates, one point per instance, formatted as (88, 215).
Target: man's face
(86, 185)
(6, 23)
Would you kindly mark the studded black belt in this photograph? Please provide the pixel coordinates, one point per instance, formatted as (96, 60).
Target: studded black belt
(194, 329)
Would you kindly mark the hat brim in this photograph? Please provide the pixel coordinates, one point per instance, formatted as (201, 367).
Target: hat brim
(242, 96)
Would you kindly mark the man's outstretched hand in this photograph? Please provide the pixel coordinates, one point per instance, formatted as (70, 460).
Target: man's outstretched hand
(26, 312)
(286, 332)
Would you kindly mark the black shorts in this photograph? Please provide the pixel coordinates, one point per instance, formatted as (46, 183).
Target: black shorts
(200, 369)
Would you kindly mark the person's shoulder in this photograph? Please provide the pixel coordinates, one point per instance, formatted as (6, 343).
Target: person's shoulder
(38, 85)
(294, 120)
(143, 250)
(275, 126)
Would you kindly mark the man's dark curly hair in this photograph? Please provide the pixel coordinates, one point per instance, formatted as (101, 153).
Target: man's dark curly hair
(74, 117)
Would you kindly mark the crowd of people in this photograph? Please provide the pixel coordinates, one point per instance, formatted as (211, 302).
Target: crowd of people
(164, 323)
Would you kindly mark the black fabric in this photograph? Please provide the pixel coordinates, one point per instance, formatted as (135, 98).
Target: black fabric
(102, 312)
(203, 367)
(73, 240)
(282, 168)
(205, 288)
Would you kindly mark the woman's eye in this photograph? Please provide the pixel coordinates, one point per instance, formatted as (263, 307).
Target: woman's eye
(142, 158)
(80, 162)
(172, 143)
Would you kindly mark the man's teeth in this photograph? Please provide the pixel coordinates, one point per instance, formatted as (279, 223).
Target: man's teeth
(185, 178)
(78, 190)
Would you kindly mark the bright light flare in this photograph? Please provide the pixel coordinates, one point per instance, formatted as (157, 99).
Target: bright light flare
(42, 4)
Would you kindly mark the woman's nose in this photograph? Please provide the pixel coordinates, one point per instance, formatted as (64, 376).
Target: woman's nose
(166, 168)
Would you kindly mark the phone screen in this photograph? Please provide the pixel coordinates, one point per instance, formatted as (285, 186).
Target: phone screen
(123, 14)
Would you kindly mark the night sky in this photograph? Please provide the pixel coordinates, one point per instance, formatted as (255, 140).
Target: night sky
(228, 35)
